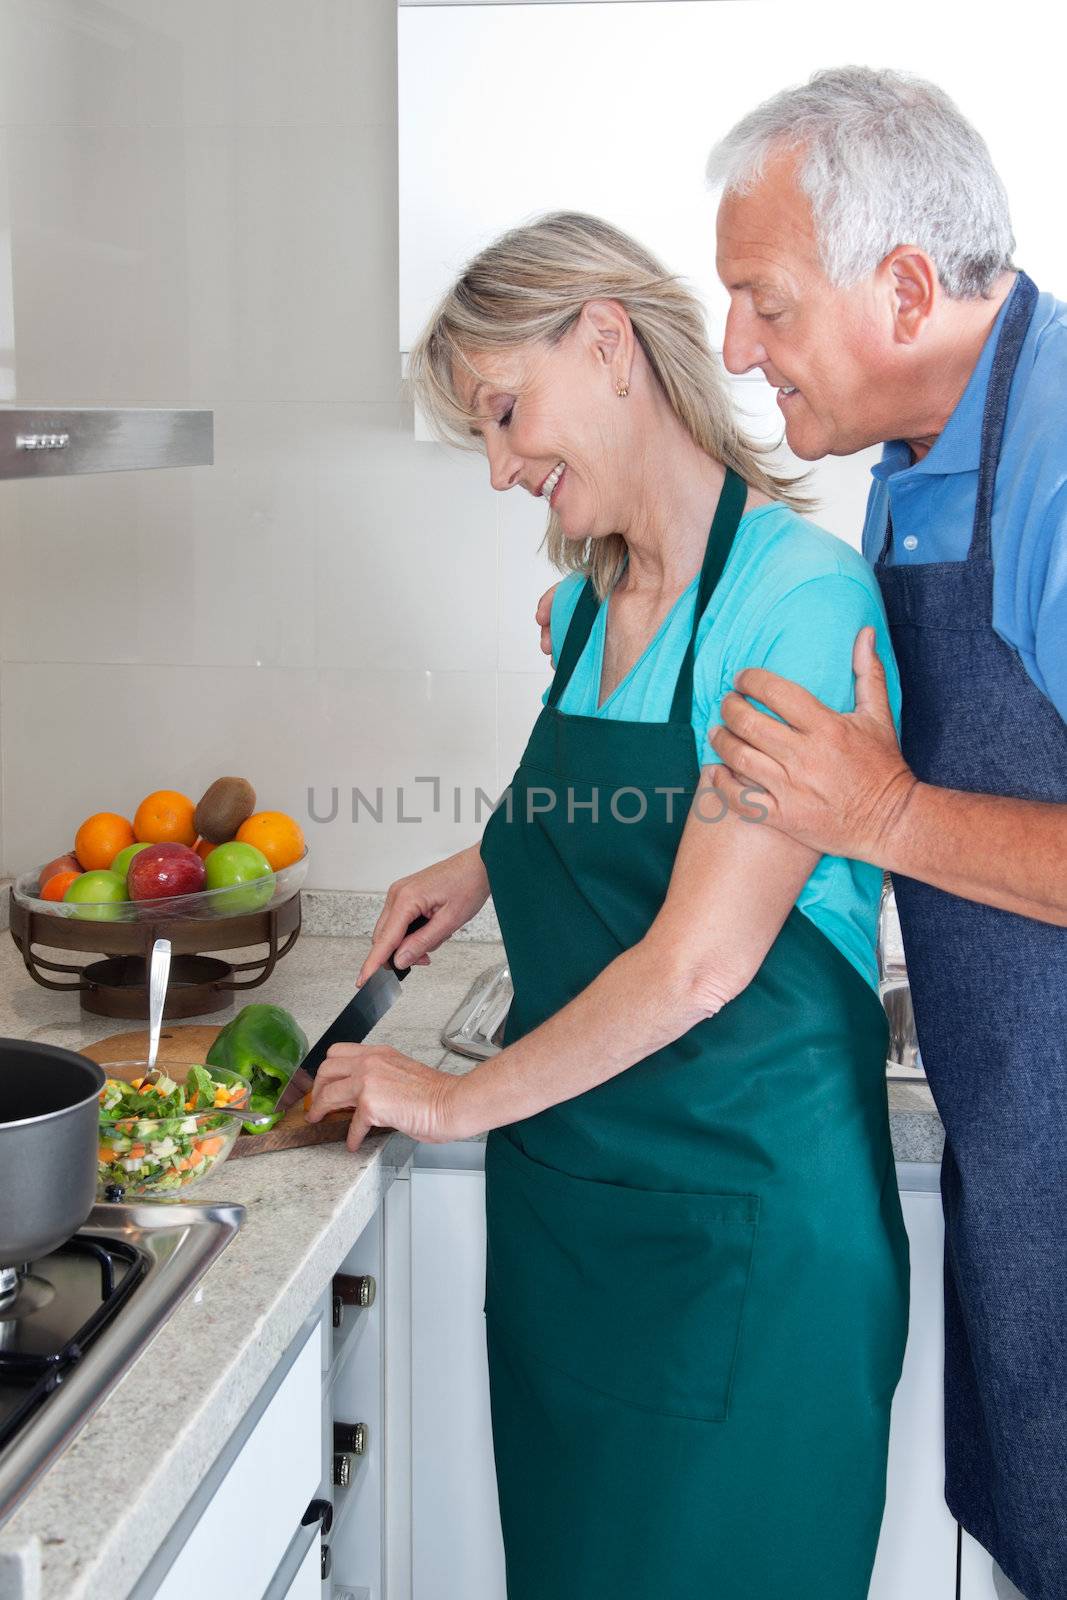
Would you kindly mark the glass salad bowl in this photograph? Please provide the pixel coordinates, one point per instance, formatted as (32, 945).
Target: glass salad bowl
(158, 1142)
(273, 889)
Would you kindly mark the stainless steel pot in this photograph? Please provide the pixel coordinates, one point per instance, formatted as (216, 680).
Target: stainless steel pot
(49, 1126)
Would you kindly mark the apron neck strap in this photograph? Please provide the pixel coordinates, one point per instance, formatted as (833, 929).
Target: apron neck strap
(1017, 319)
(728, 514)
(578, 630)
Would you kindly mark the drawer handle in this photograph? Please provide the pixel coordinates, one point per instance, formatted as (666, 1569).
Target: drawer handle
(320, 1511)
(349, 1290)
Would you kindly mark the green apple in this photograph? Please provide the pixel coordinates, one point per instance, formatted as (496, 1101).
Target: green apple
(121, 863)
(97, 895)
(244, 872)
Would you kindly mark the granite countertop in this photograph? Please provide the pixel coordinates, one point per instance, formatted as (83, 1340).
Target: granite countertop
(305, 1208)
(90, 1526)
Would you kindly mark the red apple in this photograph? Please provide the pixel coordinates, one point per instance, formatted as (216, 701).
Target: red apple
(164, 870)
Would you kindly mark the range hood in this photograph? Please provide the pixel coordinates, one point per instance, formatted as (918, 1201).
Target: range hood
(42, 442)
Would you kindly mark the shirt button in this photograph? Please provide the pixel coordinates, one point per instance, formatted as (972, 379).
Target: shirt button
(911, 543)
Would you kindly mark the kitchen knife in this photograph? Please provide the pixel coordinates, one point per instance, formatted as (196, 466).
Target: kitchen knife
(352, 1025)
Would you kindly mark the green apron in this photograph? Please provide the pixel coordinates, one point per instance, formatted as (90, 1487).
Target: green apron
(697, 1272)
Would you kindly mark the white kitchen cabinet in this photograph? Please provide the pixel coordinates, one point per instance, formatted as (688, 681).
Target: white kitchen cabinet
(231, 1552)
(348, 1368)
(917, 1550)
(366, 1378)
(977, 1574)
(307, 1584)
(456, 1543)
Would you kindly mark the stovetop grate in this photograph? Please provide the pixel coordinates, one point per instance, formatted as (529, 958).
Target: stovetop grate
(38, 1372)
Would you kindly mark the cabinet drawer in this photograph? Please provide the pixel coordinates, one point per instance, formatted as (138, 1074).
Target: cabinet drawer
(233, 1551)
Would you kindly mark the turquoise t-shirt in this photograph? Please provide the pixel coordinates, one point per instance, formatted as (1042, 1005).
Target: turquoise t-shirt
(792, 598)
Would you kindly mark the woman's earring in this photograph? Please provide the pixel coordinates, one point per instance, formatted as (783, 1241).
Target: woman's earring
(622, 389)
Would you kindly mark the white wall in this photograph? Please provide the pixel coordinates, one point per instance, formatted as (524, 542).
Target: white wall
(511, 110)
(198, 202)
(201, 202)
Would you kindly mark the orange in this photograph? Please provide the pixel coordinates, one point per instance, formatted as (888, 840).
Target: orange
(100, 838)
(203, 848)
(165, 817)
(278, 836)
(58, 884)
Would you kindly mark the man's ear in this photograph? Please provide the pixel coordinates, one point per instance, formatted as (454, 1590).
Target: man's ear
(913, 288)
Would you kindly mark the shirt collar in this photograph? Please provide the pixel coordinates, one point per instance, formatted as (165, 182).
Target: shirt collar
(958, 447)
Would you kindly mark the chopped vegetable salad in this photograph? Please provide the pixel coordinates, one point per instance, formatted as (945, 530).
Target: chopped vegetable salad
(157, 1135)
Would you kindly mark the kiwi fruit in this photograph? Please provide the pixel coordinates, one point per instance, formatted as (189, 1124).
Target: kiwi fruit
(223, 807)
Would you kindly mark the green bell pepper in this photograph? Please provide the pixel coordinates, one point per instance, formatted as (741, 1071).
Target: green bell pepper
(265, 1045)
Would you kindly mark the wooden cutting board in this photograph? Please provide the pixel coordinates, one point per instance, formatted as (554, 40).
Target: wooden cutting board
(186, 1042)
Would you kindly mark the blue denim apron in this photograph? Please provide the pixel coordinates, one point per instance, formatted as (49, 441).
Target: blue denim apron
(990, 994)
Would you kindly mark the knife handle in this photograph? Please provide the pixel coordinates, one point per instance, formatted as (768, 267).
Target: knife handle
(341, 1029)
(412, 927)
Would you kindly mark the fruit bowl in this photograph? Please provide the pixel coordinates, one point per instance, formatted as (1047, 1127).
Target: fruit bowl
(117, 986)
(236, 901)
(161, 1157)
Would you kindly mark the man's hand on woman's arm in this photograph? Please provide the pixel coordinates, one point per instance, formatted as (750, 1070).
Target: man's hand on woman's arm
(543, 618)
(838, 783)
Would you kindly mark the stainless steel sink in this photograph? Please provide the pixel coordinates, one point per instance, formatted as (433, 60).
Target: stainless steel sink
(162, 1250)
(905, 1062)
(476, 1029)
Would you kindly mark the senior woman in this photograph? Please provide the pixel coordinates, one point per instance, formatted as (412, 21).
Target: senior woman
(697, 1268)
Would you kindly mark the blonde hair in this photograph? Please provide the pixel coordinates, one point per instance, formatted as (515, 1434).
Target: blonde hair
(529, 287)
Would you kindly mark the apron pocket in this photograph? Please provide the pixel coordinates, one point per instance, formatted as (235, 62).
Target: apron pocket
(636, 1293)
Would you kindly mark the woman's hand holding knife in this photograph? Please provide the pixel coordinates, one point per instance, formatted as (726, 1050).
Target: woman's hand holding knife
(448, 895)
(381, 1086)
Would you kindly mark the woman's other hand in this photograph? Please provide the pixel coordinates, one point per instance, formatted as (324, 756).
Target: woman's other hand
(384, 1089)
(448, 894)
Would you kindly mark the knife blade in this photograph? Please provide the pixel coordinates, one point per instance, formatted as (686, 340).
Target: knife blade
(351, 1025)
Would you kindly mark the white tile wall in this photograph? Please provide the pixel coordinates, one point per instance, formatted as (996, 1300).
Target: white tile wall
(80, 738)
(198, 199)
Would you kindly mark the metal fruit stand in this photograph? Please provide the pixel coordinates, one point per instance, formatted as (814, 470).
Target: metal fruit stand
(115, 982)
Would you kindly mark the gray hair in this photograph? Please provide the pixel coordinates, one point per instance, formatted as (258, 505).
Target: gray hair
(886, 159)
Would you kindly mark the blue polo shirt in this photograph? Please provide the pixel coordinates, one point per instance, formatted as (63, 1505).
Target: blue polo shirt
(933, 500)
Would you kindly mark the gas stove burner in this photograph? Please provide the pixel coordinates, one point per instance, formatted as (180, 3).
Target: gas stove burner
(82, 1314)
(30, 1294)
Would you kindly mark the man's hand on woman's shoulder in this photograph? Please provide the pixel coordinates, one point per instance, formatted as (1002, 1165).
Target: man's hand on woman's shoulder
(544, 617)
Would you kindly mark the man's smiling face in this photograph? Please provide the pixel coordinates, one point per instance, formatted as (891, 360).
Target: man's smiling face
(824, 348)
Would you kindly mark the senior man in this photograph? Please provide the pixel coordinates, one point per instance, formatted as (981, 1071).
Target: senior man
(865, 241)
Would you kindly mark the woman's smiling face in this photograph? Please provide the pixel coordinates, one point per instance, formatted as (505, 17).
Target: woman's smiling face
(552, 422)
